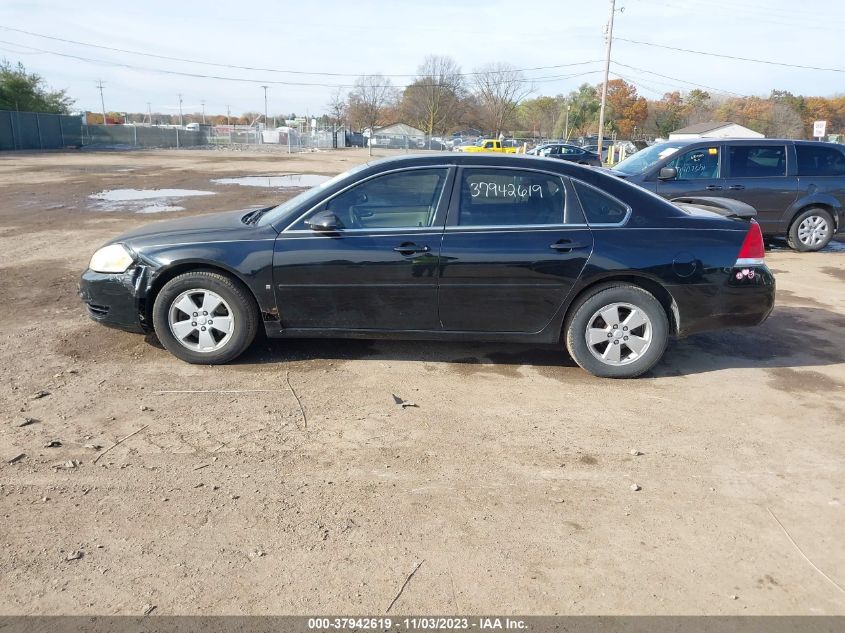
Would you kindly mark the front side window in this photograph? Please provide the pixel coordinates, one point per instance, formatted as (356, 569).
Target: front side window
(820, 161)
(488, 145)
(510, 197)
(400, 200)
(757, 161)
(599, 207)
(697, 164)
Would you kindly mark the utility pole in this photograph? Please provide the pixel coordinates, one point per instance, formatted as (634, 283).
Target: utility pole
(102, 101)
(606, 73)
(180, 109)
(566, 125)
(202, 103)
(150, 112)
(265, 106)
(228, 113)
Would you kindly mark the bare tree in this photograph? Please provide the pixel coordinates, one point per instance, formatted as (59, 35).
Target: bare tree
(500, 89)
(369, 100)
(337, 107)
(434, 102)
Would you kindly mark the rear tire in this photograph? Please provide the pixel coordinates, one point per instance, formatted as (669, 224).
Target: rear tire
(811, 230)
(617, 331)
(205, 318)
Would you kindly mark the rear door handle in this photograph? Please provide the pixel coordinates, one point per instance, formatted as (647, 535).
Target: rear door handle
(409, 248)
(736, 187)
(713, 187)
(565, 246)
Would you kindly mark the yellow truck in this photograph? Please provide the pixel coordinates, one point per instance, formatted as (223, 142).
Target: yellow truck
(490, 145)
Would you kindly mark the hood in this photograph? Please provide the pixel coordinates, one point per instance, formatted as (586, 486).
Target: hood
(612, 172)
(225, 221)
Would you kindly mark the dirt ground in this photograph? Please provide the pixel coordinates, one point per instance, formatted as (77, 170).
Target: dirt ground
(509, 484)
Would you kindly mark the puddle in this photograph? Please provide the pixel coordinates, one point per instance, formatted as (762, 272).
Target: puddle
(299, 181)
(144, 200)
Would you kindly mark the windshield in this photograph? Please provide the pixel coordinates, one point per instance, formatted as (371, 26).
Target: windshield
(645, 158)
(303, 198)
(479, 143)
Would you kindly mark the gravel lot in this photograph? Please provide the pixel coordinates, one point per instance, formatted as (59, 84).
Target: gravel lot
(510, 484)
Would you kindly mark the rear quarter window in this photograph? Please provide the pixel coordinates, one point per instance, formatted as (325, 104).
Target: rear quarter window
(599, 207)
(820, 161)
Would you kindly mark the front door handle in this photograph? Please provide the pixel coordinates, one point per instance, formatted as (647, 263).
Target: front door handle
(566, 246)
(409, 248)
(713, 187)
(736, 187)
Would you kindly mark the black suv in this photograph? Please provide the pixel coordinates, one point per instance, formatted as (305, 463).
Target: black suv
(797, 187)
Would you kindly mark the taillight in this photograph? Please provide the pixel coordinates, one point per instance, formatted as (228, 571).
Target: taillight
(752, 252)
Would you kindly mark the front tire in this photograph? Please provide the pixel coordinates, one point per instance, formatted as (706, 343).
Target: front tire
(617, 331)
(205, 318)
(811, 230)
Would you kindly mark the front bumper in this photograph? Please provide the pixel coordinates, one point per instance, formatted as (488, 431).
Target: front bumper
(115, 300)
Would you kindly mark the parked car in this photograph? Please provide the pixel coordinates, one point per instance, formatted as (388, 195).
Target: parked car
(797, 187)
(463, 145)
(564, 151)
(444, 246)
(491, 145)
(605, 150)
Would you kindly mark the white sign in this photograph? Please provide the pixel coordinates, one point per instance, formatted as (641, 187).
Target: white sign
(819, 128)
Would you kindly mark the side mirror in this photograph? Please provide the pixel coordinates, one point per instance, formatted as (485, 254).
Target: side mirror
(324, 221)
(667, 173)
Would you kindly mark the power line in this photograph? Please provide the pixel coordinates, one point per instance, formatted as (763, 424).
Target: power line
(259, 69)
(683, 81)
(734, 57)
(542, 79)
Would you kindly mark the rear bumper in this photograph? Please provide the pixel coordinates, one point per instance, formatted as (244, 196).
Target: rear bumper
(112, 299)
(740, 302)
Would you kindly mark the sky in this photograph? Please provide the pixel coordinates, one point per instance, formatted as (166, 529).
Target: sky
(392, 37)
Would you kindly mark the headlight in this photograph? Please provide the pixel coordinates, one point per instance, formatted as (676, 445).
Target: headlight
(111, 259)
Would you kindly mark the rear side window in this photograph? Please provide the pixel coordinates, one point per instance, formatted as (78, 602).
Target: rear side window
(599, 207)
(820, 161)
(511, 197)
(757, 161)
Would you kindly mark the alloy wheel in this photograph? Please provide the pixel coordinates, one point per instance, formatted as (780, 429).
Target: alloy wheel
(201, 320)
(619, 333)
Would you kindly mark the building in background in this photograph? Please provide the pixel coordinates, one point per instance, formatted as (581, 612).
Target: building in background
(719, 129)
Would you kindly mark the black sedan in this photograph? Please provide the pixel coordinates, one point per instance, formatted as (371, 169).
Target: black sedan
(454, 246)
(571, 153)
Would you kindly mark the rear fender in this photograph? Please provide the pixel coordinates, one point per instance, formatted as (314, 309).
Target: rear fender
(817, 199)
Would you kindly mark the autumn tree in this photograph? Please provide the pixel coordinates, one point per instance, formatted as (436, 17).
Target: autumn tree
(500, 88)
(28, 92)
(668, 114)
(627, 109)
(434, 102)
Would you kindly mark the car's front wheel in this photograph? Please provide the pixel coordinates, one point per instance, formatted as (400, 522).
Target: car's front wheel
(617, 331)
(204, 317)
(811, 230)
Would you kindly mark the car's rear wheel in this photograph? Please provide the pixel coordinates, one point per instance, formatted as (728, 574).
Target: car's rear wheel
(811, 230)
(205, 317)
(617, 331)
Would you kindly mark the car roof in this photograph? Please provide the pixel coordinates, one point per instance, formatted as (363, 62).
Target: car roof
(480, 160)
